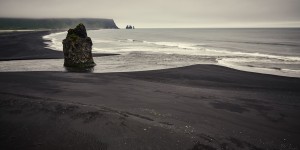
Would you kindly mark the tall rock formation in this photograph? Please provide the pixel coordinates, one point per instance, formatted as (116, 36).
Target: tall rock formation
(77, 48)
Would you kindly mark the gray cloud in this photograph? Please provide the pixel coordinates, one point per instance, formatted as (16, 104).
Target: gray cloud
(164, 13)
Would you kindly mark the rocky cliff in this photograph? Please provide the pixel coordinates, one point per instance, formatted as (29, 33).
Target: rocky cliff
(77, 48)
(58, 23)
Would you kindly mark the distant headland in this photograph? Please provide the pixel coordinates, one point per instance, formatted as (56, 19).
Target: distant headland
(55, 23)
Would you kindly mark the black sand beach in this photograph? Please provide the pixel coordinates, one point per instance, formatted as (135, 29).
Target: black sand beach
(25, 45)
(195, 107)
(28, 45)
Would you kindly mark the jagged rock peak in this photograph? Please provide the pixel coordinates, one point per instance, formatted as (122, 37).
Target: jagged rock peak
(79, 31)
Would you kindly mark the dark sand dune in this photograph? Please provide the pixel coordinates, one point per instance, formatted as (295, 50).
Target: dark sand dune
(196, 107)
(201, 106)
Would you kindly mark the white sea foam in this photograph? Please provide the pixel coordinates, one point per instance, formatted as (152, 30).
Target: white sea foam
(101, 41)
(221, 52)
(130, 40)
(55, 44)
(235, 53)
(243, 65)
(175, 44)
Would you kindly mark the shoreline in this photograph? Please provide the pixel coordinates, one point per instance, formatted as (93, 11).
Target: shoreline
(193, 107)
(29, 45)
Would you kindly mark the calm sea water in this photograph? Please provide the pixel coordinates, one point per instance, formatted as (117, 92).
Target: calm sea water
(271, 51)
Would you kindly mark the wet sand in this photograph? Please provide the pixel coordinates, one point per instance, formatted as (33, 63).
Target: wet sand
(195, 107)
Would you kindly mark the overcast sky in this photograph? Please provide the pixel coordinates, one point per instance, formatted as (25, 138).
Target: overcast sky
(164, 13)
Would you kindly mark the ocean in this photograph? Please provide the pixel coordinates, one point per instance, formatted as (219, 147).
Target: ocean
(269, 51)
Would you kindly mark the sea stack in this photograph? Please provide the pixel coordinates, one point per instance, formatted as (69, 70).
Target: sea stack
(77, 48)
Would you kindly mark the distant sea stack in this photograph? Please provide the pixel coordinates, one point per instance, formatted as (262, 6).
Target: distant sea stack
(130, 27)
(77, 48)
(25, 23)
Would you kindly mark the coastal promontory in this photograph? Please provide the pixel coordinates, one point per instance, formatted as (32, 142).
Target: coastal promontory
(55, 23)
